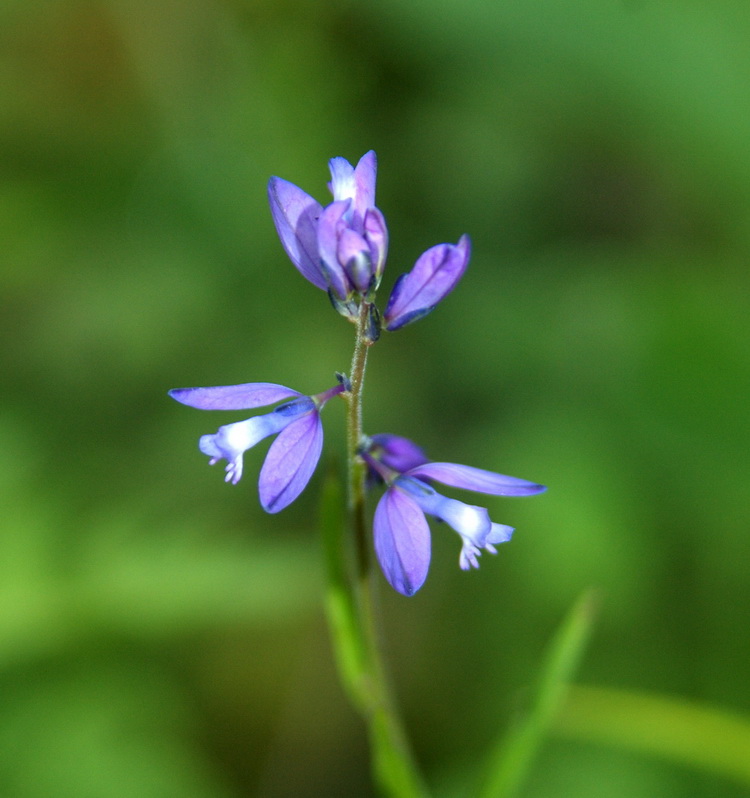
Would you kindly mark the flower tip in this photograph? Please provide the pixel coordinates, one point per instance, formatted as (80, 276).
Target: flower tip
(178, 394)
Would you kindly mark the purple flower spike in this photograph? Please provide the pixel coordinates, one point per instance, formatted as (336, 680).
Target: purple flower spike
(398, 526)
(292, 457)
(340, 248)
(434, 276)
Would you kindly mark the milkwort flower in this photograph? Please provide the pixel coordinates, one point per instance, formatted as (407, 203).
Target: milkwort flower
(294, 454)
(340, 248)
(401, 533)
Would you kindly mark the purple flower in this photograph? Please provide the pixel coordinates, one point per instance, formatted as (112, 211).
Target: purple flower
(434, 276)
(292, 457)
(340, 248)
(401, 534)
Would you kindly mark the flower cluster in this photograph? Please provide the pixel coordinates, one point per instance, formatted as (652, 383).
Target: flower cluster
(341, 248)
(292, 457)
(402, 537)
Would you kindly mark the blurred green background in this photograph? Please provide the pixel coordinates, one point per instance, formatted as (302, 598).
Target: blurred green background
(159, 634)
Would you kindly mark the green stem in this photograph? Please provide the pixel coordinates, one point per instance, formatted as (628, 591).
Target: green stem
(356, 475)
(350, 606)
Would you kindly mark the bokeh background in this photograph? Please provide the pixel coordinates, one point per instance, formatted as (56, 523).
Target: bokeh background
(159, 635)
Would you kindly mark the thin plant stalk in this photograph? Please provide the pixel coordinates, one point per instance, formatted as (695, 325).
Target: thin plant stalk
(351, 610)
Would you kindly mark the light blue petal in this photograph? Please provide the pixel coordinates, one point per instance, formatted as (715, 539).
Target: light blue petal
(231, 441)
(471, 522)
(342, 185)
(500, 533)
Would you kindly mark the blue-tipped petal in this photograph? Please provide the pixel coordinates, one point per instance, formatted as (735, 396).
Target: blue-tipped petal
(434, 276)
(233, 397)
(477, 479)
(296, 215)
(402, 541)
(290, 462)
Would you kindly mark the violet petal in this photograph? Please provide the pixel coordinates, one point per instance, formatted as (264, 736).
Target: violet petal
(434, 276)
(376, 234)
(295, 215)
(290, 463)
(330, 227)
(233, 397)
(402, 541)
(354, 254)
(477, 479)
(397, 452)
(365, 174)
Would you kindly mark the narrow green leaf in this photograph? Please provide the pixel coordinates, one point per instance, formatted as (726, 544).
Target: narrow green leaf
(512, 756)
(348, 643)
(361, 670)
(688, 733)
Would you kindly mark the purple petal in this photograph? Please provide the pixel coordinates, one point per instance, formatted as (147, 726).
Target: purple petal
(330, 227)
(402, 541)
(469, 478)
(354, 253)
(434, 276)
(365, 174)
(290, 463)
(397, 452)
(376, 234)
(233, 397)
(295, 215)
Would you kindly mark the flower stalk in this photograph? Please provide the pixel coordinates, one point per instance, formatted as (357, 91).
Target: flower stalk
(351, 593)
(356, 467)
